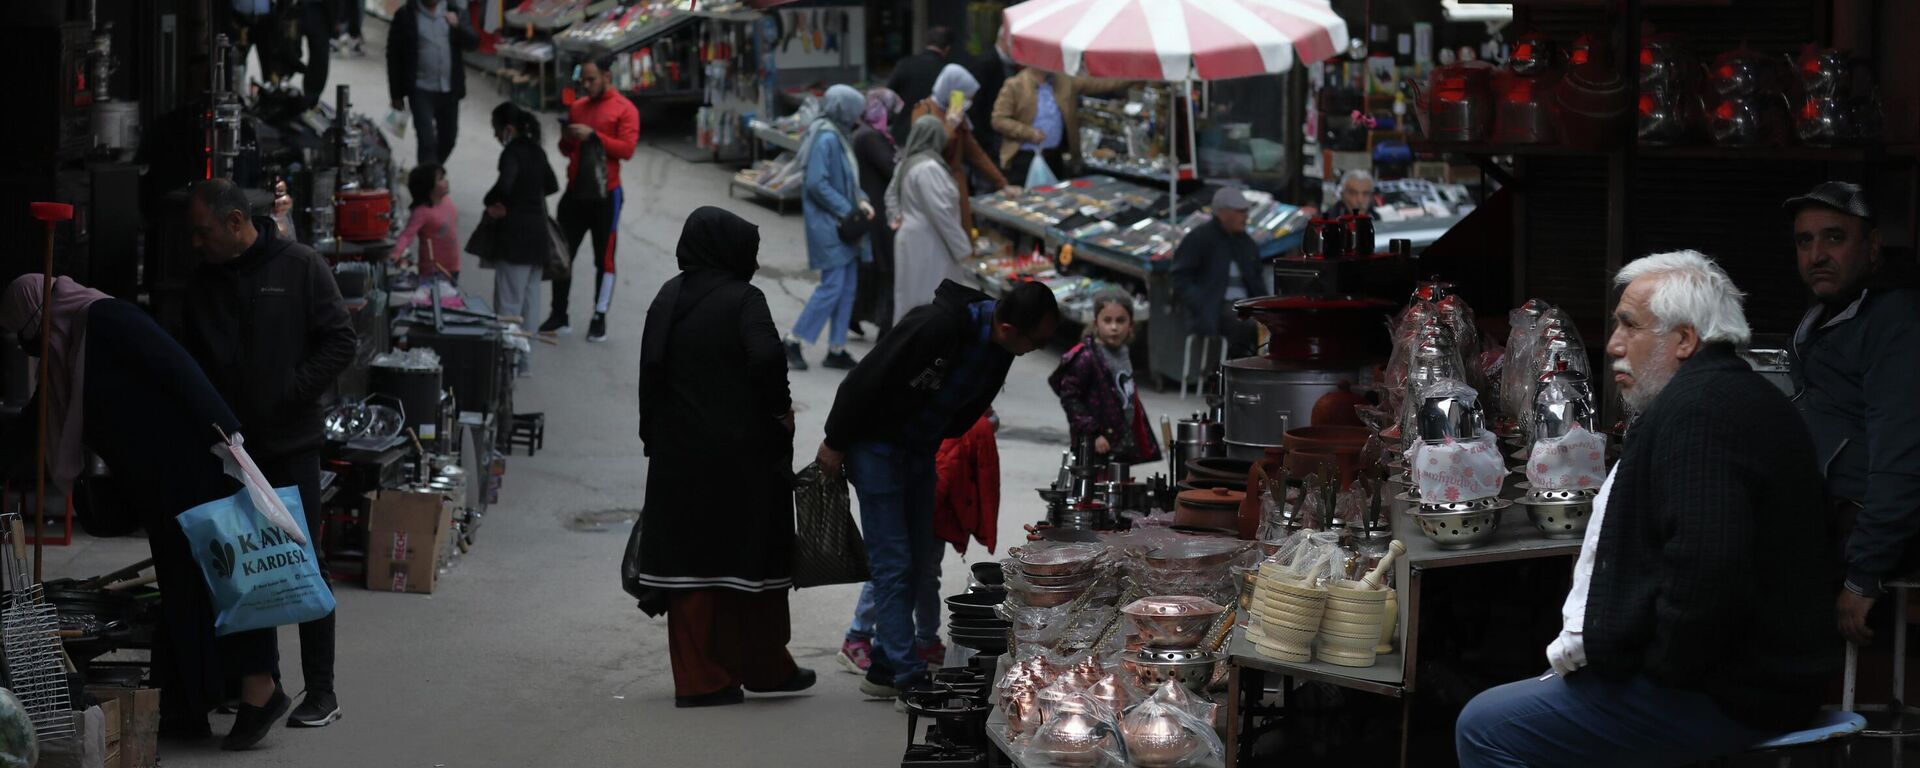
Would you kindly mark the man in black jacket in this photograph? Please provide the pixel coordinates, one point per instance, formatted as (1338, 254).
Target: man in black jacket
(1856, 368)
(425, 68)
(928, 379)
(1216, 264)
(913, 77)
(1697, 622)
(265, 319)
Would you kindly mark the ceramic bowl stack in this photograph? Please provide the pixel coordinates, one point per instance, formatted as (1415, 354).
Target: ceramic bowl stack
(1286, 615)
(1172, 630)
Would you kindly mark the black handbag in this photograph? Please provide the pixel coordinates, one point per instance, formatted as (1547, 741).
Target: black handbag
(854, 226)
(559, 264)
(485, 238)
(827, 547)
(651, 601)
(589, 183)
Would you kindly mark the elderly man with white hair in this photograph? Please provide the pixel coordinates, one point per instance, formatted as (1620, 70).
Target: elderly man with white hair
(1697, 624)
(1356, 194)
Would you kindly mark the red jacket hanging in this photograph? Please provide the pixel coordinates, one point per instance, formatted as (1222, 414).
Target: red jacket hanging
(966, 498)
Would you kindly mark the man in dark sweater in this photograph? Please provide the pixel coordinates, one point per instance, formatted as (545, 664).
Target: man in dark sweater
(1697, 622)
(425, 71)
(1215, 265)
(265, 320)
(913, 77)
(1856, 370)
(927, 380)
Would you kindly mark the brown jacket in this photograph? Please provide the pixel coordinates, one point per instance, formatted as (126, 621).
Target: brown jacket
(962, 145)
(1014, 111)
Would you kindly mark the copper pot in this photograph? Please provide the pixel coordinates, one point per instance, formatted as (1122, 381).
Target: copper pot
(1337, 408)
(1215, 508)
(1073, 736)
(1595, 103)
(1156, 737)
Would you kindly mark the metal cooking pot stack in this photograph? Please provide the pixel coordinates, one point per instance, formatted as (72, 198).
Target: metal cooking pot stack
(1564, 400)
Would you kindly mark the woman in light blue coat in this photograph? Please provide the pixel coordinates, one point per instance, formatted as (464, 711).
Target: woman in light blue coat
(830, 194)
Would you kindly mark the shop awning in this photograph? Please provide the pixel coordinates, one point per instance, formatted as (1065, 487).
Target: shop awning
(1173, 40)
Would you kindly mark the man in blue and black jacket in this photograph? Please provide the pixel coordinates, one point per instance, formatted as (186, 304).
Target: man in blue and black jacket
(1856, 364)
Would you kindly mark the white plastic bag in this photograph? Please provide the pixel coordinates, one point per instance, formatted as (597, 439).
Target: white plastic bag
(1458, 470)
(1040, 174)
(240, 466)
(397, 122)
(1576, 461)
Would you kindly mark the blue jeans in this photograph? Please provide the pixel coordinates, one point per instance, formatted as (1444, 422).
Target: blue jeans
(831, 305)
(1588, 720)
(895, 483)
(926, 604)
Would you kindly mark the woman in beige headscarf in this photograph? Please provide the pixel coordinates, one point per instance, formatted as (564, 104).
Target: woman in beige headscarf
(928, 245)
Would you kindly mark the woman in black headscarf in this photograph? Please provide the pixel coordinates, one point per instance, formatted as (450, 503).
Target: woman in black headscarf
(716, 420)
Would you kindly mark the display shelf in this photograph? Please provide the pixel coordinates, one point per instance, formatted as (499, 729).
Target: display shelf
(780, 197)
(997, 734)
(774, 136)
(1186, 171)
(1383, 678)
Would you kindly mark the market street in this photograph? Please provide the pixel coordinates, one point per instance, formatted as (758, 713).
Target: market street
(529, 654)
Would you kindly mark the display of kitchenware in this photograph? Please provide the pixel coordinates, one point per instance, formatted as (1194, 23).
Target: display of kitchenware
(1449, 417)
(1172, 621)
(1214, 508)
(1194, 553)
(1074, 736)
(1157, 736)
(1461, 529)
(1058, 560)
(1267, 397)
(1336, 330)
(1191, 668)
(1594, 102)
(1560, 514)
(1456, 103)
(1195, 437)
(1823, 121)
(1670, 107)
(1524, 93)
(1740, 73)
(1746, 121)
(1563, 401)
(1824, 71)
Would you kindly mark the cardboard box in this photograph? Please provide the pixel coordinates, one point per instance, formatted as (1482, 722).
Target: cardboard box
(406, 534)
(137, 728)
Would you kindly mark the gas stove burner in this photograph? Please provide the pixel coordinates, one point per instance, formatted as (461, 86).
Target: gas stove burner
(930, 756)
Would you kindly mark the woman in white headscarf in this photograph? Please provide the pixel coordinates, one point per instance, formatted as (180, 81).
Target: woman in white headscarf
(928, 247)
(830, 194)
(963, 152)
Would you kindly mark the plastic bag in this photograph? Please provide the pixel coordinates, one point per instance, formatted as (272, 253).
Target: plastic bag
(1576, 461)
(1523, 330)
(1075, 732)
(397, 122)
(259, 576)
(1459, 470)
(827, 547)
(239, 466)
(1153, 718)
(1039, 174)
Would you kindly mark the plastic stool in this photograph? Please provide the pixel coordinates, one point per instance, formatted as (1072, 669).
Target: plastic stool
(1894, 719)
(1829, 730)
(1186, 357)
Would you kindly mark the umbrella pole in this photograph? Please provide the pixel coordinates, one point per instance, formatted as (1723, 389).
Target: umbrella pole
(1173, 158)
(1193, 120)
(49, 213)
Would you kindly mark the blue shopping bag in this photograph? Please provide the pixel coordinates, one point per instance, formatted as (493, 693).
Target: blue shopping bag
(259, 576)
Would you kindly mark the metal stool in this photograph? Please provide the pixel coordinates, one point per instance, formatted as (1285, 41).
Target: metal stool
(1894, 719)
(1829, 730)
(1186, 357)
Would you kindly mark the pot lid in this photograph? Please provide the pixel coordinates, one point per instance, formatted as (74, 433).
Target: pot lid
(1212, 497)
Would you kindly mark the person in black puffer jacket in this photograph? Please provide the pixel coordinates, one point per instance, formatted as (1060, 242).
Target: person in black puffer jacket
(519, 199)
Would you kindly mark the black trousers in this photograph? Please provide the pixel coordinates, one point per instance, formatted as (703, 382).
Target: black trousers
(316, 28)
(317, 636)
(349, 14)
(436, 123)
(601, 220)
(263, 33)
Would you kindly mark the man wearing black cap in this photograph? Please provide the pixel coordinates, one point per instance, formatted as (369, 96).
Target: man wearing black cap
(1856, 371)
(1216, 264)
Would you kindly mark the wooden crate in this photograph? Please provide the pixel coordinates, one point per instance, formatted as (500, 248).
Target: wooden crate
(134, 734)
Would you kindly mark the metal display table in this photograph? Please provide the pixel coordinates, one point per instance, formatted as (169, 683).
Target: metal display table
(1392, 674)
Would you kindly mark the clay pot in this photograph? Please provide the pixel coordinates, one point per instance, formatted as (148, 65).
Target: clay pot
(1216, 508)
(1336, 408)
(1219, 468)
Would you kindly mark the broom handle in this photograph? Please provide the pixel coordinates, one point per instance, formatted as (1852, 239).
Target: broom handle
(40, 451)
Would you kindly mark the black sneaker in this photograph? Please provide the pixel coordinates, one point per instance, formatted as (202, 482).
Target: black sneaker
(252, 723)
(795, 361)
(317, 710)
(855, 328)
(878, 684)
(839, 360)
(597, 329)
(556, 325)
(802, 679)
(720, 698)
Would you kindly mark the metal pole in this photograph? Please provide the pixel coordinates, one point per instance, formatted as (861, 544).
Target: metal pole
(48, 213)
(1173, 158)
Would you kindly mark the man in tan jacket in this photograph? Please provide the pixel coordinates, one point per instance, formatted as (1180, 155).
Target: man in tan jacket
(1030, 125)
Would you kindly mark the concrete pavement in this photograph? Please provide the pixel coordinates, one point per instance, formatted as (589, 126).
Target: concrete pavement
(529, 654)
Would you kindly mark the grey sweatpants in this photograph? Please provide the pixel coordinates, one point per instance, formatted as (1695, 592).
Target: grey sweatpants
(516, 292)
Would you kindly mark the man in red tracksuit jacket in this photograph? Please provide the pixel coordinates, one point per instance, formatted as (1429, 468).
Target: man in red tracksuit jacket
(605, 116)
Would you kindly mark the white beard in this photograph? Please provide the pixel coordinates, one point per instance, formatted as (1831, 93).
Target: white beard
(1647, 383)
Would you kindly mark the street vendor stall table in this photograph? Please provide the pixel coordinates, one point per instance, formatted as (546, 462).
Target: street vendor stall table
(1003, 747)
(1392, 674)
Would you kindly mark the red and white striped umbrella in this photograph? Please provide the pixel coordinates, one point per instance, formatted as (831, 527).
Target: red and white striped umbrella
(1172, 40)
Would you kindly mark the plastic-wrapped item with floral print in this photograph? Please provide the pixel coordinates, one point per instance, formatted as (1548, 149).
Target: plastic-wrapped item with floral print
(1458, 470)
(1576, 461)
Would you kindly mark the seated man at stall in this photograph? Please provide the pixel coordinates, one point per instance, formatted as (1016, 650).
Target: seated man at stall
(1217, 264)
(1856, 372)
(1356, 194)
(1697, 624)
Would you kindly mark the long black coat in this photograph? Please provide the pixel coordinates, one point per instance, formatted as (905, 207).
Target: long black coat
(713, 392)
(526, 179)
